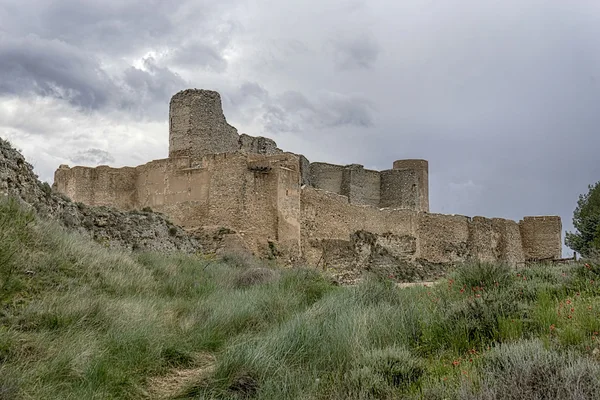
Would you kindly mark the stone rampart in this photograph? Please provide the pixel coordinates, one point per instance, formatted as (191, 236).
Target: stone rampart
(541, 237)
(405, 186)
(243, 189)
(420, 170)
(362, 186)
(327, 176)
(100, 186)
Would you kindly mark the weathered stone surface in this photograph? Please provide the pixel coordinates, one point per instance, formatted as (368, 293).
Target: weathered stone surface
(197, 126)
(257, 144)
(135, 230)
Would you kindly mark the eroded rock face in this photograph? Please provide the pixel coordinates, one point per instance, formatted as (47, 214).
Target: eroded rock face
(134, 230)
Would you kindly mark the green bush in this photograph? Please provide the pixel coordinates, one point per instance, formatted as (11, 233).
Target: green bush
(383, 371)
(527, 370)
(483, 275)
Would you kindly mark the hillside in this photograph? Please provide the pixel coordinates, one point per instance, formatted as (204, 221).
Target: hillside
(79, 320)
(114, 228)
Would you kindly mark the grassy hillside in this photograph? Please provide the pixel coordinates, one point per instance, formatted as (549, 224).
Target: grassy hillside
(78, 321)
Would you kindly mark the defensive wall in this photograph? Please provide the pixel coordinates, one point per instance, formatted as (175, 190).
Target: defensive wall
(278, 204)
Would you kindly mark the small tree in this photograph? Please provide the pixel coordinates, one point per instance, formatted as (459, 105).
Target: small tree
(586, 220)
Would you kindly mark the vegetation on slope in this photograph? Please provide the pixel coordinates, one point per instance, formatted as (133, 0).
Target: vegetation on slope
(79, 321)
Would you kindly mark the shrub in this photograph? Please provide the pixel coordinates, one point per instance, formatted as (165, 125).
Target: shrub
(484, 275)
(527, 370)
(241, 259)
(385, 370)
(254, 276)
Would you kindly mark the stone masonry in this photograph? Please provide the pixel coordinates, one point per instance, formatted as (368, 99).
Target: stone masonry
(232, 189)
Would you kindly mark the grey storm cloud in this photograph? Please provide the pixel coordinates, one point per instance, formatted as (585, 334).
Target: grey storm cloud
(357, 52)
(197, 55)
(75, 50)
(151, 88)
(52, 68)
(292, 111)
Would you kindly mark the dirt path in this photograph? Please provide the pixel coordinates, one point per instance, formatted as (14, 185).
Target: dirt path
(172, 384)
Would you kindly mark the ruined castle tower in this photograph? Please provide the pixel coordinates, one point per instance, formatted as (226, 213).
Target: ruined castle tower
(197, 125)
(406, 185)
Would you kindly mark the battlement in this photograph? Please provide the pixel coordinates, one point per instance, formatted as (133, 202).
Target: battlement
(279, 204)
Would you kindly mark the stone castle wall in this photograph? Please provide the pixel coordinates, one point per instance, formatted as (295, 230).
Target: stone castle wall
(257, 196)
(227, 186)
(405, 186)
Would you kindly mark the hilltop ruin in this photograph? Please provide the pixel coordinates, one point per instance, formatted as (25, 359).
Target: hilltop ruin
(239, 190)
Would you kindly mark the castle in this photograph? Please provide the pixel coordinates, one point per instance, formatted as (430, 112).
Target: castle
(239, 190)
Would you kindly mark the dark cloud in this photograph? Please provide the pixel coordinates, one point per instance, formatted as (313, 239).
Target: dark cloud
(198, 55)
(110, 26)
(150, 89)
(92, 157)
(52, 68)
(358, 52)
(294, 112)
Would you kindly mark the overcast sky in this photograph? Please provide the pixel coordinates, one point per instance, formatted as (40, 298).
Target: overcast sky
(501, 96)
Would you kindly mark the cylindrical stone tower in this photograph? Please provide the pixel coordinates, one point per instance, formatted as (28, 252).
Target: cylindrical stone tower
(406, 185)
(197, 125)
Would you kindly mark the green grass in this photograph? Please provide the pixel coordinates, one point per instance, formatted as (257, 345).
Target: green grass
(79, 321)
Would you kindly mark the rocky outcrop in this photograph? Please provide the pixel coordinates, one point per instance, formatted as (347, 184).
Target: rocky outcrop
(134, 230)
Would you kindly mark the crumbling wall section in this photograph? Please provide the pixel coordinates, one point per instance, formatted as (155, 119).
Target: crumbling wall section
(288, 209)
(100, 186)
(328, 221)
(173, 187)
(399, 189)
(257, 145)
(197, 125)
(541, 237)
(304, 170)
(362, 186)
(327, 177)
(442, 239)
(495, 239)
